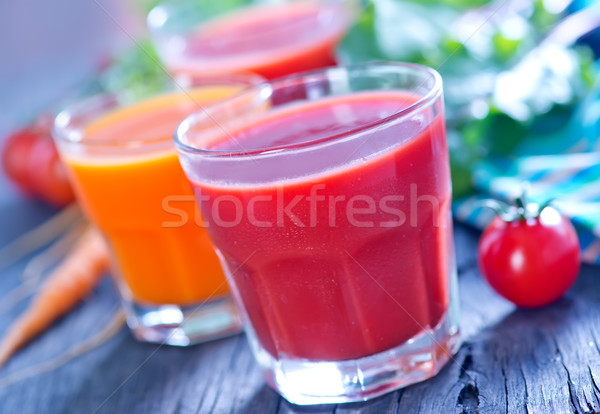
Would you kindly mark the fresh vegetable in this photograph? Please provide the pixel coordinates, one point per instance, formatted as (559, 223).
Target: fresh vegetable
(134, 74)
(31, 161)
(69, 283)
(102, 336)
(528, 254)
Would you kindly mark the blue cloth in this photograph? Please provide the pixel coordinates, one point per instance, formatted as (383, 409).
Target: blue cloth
(573, 180)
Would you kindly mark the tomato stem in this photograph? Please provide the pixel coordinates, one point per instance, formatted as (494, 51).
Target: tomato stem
(521, 204)
(520, 210)
(544, 205)
(501, 208)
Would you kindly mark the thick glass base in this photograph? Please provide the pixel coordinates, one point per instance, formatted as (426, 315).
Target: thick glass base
(308, 382)
(183, 325)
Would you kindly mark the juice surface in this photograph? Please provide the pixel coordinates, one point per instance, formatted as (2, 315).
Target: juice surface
(365, 284)
(272, 40)
(136, 198)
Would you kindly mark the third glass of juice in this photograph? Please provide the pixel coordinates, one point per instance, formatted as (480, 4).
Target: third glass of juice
(271, 38)
(124, 168)
(328, 201)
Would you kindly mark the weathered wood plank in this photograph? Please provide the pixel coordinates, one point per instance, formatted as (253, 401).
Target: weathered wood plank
(385, 404)
(512, 361)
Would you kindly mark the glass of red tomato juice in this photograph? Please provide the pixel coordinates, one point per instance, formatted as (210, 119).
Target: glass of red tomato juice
(270, 38)
(327, 197)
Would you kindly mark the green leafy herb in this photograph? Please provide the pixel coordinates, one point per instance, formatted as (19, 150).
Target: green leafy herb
(136, 73)
(506, 95)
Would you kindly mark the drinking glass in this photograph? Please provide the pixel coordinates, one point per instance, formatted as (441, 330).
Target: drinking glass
(123, 165)
(327, 197)
(271, 38)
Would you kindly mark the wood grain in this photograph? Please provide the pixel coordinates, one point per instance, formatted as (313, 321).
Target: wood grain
(512, 361)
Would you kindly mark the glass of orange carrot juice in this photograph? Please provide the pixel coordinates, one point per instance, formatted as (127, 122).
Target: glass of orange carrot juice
(123, 165)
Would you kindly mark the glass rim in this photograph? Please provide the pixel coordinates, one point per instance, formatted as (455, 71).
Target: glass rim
(161, 13)
(426, 99)
(63, 131)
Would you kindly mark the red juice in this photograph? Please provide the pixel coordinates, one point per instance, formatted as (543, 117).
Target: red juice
(347, 262)
(272, 41)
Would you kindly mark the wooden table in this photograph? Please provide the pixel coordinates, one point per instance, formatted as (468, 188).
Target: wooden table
(545, 361)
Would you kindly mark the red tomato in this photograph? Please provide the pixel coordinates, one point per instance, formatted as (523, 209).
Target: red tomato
(17, 149)
(31, 161)
(530, 261)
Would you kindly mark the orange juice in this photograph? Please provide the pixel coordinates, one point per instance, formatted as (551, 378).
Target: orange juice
(128, 179)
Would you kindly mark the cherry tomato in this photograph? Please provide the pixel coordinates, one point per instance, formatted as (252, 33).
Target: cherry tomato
(16, 150)
(531, 260)
(30, 160)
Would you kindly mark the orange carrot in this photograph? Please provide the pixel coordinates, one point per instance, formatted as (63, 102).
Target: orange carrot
(71, 281)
